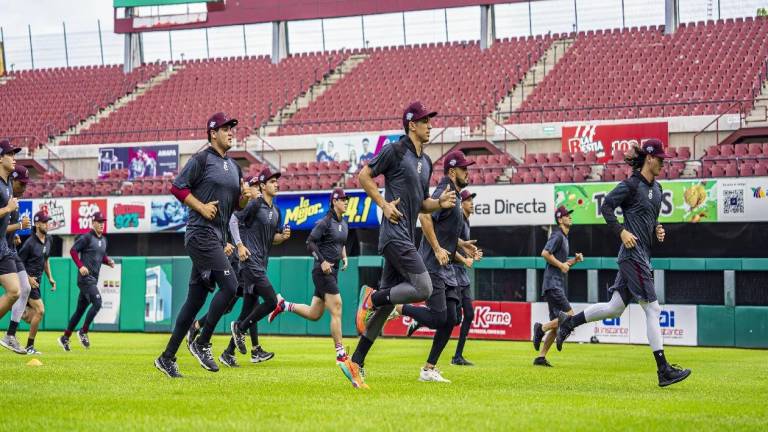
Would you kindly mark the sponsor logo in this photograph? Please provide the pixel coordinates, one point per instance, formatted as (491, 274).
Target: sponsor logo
(612, 327)
(169, 152)
(503, 206)
(485, 317)
(128, 215)
(667, 324)
(54, 210)
(303, 211)
(759, 192)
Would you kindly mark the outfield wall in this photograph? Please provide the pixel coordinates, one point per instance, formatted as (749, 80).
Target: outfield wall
(146, 294)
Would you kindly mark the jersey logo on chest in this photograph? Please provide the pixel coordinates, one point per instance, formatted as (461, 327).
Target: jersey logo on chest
(418, 167)
(650, 194)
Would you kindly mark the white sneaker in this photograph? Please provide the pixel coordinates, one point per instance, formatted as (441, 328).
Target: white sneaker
(432, 375)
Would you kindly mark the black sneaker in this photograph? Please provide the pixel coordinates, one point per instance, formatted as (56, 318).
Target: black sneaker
(541, 361)
(64, 343)
(538, 335)
(413, 327)
(228, 359)
(168, 366)
(238, 336)
(192, 333)
(84, 339)
(258, 355)
(564, 329)
(672, 374)
(461, 361)
(203, 355)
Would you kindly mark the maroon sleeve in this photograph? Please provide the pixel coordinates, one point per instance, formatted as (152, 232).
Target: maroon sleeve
(179, 193)
(105, 260)
(75, 257)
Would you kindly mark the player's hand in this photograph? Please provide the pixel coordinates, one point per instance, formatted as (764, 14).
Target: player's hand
(246, 191)
(83, 271)
(33, 282)
(469, 247)
(111, 263)
(469, 262)
(242, 252)
(565, 267)
(442, 256)
(447, 199)
(228, 249)
(660, 233)
(25, 224)
(478, 255)
(53, 284)
(579, 257)
(390, 211)
(209, 210)
(16, 240)
(344, 263)
(628, 239)
(286, 232)
(13, 204)
(326, 267)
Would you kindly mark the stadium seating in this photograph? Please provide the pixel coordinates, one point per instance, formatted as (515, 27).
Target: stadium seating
(250, 89)
(732, 160)
(606, 73)
(40, 103)
(457, 80)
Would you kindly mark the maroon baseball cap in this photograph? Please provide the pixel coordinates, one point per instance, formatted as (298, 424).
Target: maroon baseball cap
(465, 195)
(97, 217)
(7, 148)
(562, 211)
(338, 193)
(456, 159)
(264, 175)
(21, 174)
(653, 147)
(218, 120)
(415, 112)
(41, 216)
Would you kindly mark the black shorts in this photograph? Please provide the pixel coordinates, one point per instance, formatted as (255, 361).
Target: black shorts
(34, 294)
(19, 264)
(8, 265)
(256, 282)
(89, 291)
(453, 293)
(400, 261)
(437, 301)
(557, 302)
(207, 254)
(325, 283)
(466, 292)
(634, 280)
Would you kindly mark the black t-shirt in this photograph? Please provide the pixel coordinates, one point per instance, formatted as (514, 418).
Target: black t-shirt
(329, 235)
(259, 222)
(34, 254)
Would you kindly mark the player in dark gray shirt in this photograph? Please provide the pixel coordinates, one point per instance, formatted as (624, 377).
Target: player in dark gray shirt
(9, 279)
(20, 179)
(406, 169)
(89, 252)
(211, 184)
(260, 228)
(327, 244)
(35, 253)
(555, 283)
(438, 248)
(640, 200)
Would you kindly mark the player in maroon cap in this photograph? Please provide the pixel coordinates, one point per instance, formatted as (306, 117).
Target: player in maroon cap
(327, 244)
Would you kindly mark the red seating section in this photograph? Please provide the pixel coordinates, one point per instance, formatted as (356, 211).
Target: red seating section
(42, 102)
(705, 63)
(732, 160)
(244, 88)
(313, 175)
(456, 78)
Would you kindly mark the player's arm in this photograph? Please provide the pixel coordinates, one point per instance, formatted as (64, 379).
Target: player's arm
(554, 262)
(447, 199)
(461, 259)
(12, 205)
(74, 252)
(612, 201)
(380, 164)
(281, 237)
(47, 269)
(314, 236)
(181, 188)
(428, 229)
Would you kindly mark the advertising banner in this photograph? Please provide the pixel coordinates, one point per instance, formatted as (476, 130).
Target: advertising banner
(493, 320)
(83, 211)
(25, 209)
(604, 140)
(513, 205)
(130, 214)
(59, 210)
(743, 199)
(302, 211)
(157, 299)
(357, 149)
(683, 201)
(144, 161)
(168, 214)
(109, 288)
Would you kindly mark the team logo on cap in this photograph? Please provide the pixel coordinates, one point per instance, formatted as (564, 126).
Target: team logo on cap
(335, 196)
(409, 116)
(648, 149)
(452, 162)
(261, 178)
(212, 124)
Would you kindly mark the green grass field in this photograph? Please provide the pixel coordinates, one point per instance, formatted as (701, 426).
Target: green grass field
(114, 386)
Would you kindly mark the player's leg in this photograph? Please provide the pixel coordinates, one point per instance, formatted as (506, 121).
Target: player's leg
(74, 320)
(439, 341)
(324, 283)
(38, 311)
(435, 313)
(262, 287)
(94, 298)
(557, 303)
(468, 313)
(9, 279)
(415, 285)
(9, 340)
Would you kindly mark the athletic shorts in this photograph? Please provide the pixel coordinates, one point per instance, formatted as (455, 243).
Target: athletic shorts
(453, 293)
(19, 263)
(466, 292)
(255, 282)
(437, 301)
(557, 302)
(325, 283)
(207, 254)
(34, 294)
(400, 261)
(7, 265)
(90, 292)
(634, 280)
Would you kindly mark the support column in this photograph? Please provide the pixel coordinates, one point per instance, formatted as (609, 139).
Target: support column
(729, 287)
(659, 285)
(531, 285)
(487, 26)
(279, 41)
(592, 286)
(671, 16)
(133, 50)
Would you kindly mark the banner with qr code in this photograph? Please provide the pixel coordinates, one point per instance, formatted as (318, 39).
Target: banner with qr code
(743, 199)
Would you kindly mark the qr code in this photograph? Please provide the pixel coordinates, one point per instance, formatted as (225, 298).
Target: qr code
(733, 201)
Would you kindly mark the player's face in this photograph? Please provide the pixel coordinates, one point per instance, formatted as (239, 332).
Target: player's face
(41, 227)
(467, 206)
(19, 188)
(421, 129)
(98, 227)
(340, 205)
(224, 136)
(566, 221)
(8, 162)
(461, 176)
(271, 187)
(656, 164)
